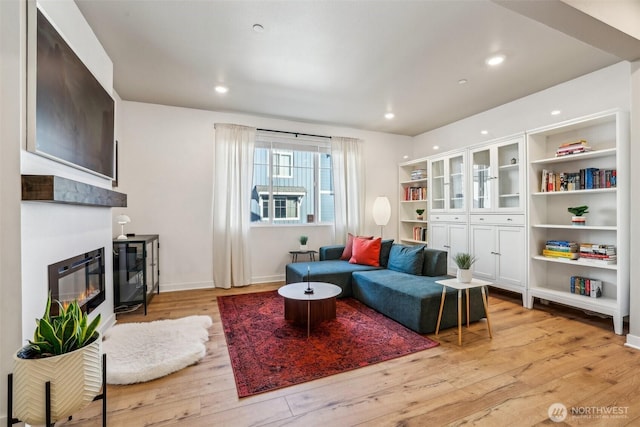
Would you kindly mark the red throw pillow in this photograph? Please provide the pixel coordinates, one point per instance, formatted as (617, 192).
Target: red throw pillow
(366, 251)
(348, 248)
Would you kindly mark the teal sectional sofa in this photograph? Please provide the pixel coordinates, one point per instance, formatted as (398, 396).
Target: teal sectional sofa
(402, 288)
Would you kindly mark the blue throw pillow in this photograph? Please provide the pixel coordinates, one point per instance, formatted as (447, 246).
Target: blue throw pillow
(406, 259)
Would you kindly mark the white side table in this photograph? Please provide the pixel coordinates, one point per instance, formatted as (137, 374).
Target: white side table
(453, 283)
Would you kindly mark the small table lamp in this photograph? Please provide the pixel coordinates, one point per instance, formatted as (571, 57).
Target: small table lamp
(381, 212)
(122, 220)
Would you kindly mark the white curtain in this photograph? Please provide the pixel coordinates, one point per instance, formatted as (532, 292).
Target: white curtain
(348, 186)
(233, 172)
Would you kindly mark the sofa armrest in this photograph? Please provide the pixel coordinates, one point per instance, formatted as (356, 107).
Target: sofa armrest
(331, 252)
(435, 262)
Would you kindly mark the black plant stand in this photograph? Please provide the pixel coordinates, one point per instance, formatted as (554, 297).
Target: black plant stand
(47, 388)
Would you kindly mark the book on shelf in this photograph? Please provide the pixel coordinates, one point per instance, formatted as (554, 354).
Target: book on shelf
(420, 233)
(584, 179)
(418, 174)
(557, 254)
(586, 286)
(415, 193)
(597, 249)
(563, 243)
(598, 253)
(572, 143)
(573, 147)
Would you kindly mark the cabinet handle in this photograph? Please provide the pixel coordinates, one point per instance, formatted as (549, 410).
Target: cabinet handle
(447, 246)
(455, 218)
(481, 219)
(509, 219)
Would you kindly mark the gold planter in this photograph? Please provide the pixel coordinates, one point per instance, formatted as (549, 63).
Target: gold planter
(76, 378)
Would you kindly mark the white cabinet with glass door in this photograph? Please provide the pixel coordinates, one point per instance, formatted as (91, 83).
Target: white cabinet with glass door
(497, 183)
(447, 183)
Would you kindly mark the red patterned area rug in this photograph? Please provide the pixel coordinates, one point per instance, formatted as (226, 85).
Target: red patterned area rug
(268, 353)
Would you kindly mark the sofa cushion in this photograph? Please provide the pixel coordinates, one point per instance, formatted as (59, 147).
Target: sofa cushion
(366, 251)
(348, 248)
(406, 259)
(385, 250)
(435, 262)
(334, 271)
(413, 301)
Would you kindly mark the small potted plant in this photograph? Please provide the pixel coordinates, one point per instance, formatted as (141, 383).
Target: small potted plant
(303, 243)
(420, 212)
(464, 261)
(65, 351)
(578, 217)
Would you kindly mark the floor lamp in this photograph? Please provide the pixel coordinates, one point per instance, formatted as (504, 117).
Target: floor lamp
(381, 212)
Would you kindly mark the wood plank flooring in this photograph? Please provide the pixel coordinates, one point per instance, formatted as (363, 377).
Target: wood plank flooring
(536, 358)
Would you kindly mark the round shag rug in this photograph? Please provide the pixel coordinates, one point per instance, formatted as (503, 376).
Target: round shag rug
(139, 352)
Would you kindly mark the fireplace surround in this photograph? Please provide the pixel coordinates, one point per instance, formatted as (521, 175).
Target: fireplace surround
(80, 277)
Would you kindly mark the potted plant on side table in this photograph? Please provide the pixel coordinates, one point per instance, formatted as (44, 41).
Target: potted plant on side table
(303, 243)
(464, 261)
(66, 352)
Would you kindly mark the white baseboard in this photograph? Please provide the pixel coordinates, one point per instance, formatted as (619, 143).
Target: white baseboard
(267, 279)
(107, 323)
(633, 341)
(172, 287)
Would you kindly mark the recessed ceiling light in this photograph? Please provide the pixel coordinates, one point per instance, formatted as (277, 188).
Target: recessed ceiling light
(436, 147)
(389, 116)
(221, 89)
(462, 81)
(258, 28)
(495, 60)
(555, 112)
(484, 132)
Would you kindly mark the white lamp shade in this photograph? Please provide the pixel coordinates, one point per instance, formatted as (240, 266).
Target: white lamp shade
(123, 219)
(381, 210)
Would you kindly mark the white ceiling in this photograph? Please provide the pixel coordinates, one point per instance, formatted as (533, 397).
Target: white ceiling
(340, 62)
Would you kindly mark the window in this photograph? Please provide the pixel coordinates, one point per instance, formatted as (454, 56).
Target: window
(282, 164)
(292, 180)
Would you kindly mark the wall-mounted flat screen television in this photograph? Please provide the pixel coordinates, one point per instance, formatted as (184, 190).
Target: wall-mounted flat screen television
(73, 118)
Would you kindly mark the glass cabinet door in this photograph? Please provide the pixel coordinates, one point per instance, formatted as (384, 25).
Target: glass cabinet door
(456, 182)
(437, 184)
(509, 176)
(482, 176)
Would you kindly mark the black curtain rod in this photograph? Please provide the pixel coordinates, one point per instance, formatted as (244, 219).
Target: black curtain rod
(293, 133)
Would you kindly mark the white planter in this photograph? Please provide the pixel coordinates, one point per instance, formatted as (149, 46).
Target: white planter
(76, 378)
(579, 220)
(464, 276)
(303, 247)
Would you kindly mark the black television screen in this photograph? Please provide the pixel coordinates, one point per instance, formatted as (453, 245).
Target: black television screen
(74, 114)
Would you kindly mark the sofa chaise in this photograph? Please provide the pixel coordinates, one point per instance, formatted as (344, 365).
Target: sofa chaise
(402, 287)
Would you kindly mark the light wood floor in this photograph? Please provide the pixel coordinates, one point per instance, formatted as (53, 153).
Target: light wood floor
(536, 358)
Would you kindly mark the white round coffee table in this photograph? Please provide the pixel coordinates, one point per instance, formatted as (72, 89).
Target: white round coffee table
(309, 308)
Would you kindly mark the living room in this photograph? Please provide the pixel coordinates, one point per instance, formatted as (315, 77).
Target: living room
(165, 168)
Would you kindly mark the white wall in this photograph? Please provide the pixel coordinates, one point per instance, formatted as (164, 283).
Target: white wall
(166, 169)
(633, 339)
(602, 90)
(12, 18)
(53, 232)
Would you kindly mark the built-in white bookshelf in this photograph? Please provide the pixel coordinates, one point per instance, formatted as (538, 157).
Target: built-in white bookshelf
(413, 195)
(549, 279)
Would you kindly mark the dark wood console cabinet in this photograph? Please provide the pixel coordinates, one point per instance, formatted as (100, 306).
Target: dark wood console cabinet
(136, 271)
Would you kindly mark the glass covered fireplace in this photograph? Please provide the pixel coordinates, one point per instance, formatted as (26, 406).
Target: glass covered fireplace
(78, 278)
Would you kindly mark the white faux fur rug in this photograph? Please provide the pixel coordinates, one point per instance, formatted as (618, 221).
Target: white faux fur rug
(138, 352)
